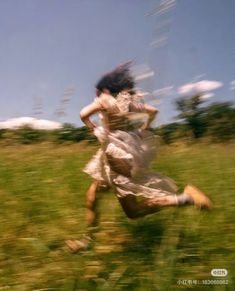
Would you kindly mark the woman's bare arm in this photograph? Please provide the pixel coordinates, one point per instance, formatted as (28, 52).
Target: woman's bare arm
(152, 112)
(87, 111)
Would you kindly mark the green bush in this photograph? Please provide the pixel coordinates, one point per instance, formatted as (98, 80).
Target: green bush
(73, 134)
(28, 135)
(2, 132)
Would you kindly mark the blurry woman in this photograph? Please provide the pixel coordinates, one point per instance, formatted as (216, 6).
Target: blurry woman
(127, 148)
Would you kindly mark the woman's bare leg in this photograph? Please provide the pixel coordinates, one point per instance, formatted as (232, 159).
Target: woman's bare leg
(91, 203)
(91, 216)
(192, 195)
(135, 209)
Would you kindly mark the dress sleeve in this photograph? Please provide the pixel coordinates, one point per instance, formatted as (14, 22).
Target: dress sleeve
(137, 104)
(105, 101)
(136, 107)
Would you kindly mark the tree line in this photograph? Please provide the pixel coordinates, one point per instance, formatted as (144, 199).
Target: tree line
(195, 121)
(28, 135)
(215, 122)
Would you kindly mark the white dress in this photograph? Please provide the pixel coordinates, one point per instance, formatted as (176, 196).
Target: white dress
(126, 152)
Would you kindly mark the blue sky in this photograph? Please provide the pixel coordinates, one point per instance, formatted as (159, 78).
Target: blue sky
(53, 46)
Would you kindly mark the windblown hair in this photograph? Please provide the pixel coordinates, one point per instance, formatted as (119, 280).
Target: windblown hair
(117, 80)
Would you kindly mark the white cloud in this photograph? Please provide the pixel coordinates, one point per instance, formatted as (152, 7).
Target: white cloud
(200, 86)
(142, 71)
(43, 124)
(189, 87)
(164, 7)
(165, 91)
(159, 42)
(232, 85)
(142, 93)
(198, 77)
(207, 95)
(206, 85)
(144, 76)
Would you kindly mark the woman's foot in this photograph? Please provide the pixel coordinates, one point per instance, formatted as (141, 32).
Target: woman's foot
(199, 198)
(75, 246)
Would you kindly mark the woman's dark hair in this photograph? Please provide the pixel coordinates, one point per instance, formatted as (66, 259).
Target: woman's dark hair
(117, 80)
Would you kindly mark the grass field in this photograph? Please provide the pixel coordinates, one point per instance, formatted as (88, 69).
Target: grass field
(42, 196)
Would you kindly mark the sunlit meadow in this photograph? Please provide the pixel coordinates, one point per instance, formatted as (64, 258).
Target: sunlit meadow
(42, 195)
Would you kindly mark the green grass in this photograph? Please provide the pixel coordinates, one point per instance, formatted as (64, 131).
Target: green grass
(42, 196)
